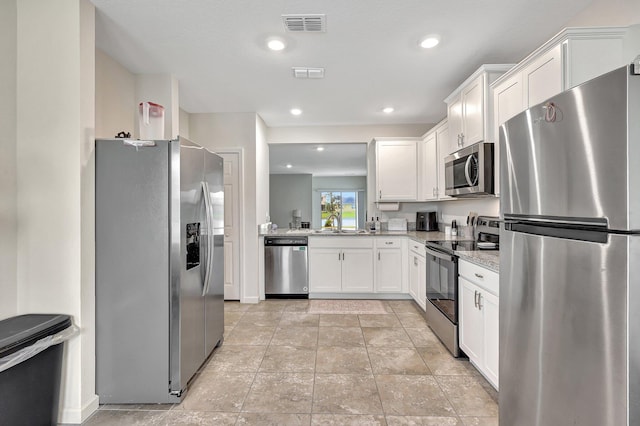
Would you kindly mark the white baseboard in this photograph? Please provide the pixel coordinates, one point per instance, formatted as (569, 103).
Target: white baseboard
(378, 296)
(75, 416)
(253, 299)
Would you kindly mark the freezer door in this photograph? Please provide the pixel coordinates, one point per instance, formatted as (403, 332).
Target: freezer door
(188, 227)
(132, 273)
(563, 330)
(568, 157)
(214, 295)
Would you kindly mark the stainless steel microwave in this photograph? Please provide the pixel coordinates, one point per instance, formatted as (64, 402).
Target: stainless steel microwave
(470, 171)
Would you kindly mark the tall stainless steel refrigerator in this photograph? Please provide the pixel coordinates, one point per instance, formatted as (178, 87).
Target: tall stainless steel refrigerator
(570, 258)
(159, 267)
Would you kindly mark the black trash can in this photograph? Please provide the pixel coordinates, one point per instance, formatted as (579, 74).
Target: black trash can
(30, 389)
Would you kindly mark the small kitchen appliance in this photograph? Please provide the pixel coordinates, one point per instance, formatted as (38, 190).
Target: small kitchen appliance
(470, 172)
(426, 221)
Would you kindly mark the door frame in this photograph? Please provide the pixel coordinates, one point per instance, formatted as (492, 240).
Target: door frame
(240, 192)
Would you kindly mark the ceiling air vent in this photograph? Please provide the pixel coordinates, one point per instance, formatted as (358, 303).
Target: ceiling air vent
(304, 72)
(305, 23)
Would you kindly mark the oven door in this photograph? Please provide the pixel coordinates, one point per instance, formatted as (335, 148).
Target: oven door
(442, 282)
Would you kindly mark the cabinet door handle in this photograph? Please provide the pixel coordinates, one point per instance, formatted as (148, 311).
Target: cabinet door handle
(479, 276)
(475, 298)
(338, 256)
(378, 255)
(479, 301)
(343, 256)
(380, 192)
(415, 261)
(434, 192)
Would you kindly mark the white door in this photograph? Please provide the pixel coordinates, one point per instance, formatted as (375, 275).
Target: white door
(231, 225)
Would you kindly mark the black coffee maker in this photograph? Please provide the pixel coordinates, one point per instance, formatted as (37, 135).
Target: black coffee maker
(426, 221)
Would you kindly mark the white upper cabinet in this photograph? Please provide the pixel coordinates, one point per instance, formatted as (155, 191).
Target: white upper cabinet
(434, 147)
(470, 108)
(507, 102)
(572, 57)
(428, 170)
(542, 78)
(473, 112)
(396, 169)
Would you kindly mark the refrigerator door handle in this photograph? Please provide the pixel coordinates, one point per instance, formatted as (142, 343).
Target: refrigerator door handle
(581, 229)
(207, 209)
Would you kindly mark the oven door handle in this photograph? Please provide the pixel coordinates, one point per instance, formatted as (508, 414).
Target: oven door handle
(439, 255)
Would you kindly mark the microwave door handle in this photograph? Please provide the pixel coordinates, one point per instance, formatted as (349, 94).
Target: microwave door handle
(438, 254)
(467, 170)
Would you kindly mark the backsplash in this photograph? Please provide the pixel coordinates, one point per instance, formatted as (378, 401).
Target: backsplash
(449, 210)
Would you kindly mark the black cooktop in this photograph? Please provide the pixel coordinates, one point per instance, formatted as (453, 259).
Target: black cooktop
(451, 246)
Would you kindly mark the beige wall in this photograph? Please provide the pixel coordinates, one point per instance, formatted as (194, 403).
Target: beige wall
(608, 13)
(55, 72)
(218, 132)
(184, 124)
(8, 218)
(115, 97)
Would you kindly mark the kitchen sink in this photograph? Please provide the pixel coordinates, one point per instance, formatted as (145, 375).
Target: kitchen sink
(343, 231)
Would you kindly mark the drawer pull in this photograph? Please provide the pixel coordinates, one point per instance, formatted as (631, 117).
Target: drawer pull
(479, 276)
(388, 242)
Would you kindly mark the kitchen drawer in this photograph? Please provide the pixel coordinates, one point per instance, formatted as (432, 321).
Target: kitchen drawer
(384, 242)
(330, 241)
(416, 247)
(480, 276)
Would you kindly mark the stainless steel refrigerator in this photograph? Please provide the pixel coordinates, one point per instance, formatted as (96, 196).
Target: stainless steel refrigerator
(570, 258)
(159, 267)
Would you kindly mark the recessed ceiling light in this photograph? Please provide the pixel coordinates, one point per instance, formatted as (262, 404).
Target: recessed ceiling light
(288, 166)
(296, 111)
(430, 41)
(276, 44)
(388, 110)
(320, 148)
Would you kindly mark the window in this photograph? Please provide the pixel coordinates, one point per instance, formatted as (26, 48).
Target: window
(339, 203)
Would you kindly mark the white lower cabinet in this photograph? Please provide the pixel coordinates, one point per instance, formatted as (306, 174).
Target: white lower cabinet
(478, 306)
(388, 265)
(417, 273)
(340, 265)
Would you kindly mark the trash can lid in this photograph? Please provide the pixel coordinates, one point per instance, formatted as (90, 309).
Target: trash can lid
(24, 330)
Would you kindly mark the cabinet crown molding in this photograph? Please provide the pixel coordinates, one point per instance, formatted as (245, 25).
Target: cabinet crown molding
(569, 33)
(485, 68)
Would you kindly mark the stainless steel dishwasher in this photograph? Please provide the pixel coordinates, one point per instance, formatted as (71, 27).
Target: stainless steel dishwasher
(286, 267)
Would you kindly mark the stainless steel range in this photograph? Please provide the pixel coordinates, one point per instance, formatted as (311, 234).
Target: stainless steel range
(442, 279)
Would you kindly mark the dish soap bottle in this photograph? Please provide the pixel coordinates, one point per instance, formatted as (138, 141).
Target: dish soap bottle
(377, 225)
(454, 228)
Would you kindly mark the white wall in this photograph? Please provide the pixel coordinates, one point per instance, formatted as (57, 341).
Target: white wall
(608, 13)
(238, 130)
(8, 196)
(346, 134)
(115, 97)
(55, 72)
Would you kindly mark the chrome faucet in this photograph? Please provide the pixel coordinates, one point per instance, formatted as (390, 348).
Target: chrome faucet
(338, 217)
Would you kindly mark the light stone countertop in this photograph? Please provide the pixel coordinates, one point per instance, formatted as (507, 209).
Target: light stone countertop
(485, 258)
(489, 259)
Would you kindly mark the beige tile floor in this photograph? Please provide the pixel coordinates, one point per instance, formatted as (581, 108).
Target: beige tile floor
(282, 366)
